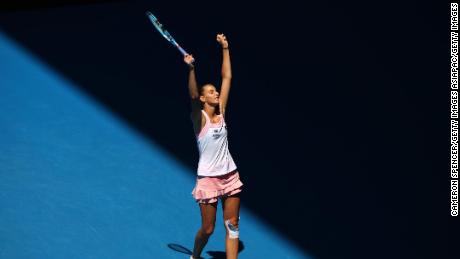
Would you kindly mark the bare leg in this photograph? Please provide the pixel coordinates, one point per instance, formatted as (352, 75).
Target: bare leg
(208, 221)
(231, 206)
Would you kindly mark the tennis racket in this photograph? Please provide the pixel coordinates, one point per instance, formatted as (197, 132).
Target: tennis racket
(164, 32)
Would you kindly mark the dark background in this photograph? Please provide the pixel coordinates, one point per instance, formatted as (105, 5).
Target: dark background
(334, 112)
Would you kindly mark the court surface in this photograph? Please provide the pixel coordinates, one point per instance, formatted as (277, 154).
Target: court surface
(77, 182)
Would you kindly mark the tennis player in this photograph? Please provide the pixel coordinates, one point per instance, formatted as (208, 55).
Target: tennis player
(217, 177)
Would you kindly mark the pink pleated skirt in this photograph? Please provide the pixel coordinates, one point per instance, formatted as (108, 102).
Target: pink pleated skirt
(210, 188)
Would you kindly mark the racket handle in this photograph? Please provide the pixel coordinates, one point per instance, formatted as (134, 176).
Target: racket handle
(181, 50)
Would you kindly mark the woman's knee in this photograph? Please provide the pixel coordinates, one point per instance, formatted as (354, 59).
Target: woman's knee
(208, 229)
(232, 227)
(234, 221)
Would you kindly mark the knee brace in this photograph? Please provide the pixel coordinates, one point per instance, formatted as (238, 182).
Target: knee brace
(233, 231)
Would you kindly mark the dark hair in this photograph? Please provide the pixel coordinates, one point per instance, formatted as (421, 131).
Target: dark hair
(201, 90)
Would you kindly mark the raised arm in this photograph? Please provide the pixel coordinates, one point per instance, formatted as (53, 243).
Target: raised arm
(226, 73)
(192, 85)
(194, 94)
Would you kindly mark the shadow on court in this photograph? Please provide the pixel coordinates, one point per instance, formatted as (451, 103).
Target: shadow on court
(211, 254)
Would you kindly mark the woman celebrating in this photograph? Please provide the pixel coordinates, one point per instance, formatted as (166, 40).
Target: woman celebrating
(217, 175)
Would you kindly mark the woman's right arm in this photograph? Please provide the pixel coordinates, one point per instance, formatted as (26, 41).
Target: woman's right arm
(192, 85)
(194, 95)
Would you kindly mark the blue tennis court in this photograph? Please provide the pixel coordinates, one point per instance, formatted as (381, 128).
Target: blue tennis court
(78, 182)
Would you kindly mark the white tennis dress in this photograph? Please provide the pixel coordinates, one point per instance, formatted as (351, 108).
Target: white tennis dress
(215, 158)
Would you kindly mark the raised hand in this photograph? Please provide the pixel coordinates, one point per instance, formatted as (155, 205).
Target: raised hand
(222, 40)
(188, 59)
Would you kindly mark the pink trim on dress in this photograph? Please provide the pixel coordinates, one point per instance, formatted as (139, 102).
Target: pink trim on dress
(208, 124)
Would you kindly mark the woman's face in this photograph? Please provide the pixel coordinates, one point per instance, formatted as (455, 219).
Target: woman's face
(210, 95)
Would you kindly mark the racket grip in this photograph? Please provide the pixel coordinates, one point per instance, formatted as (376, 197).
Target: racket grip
(181, 50)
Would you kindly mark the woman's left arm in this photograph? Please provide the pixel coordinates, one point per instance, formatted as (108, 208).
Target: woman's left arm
(226, 73)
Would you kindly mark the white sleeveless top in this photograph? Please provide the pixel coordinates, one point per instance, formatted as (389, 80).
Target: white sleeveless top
(215, 158)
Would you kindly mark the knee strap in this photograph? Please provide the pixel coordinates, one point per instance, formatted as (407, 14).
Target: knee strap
(233, 231)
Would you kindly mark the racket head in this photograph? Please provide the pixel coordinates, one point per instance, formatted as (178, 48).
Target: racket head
(164, 32)
(159, 27)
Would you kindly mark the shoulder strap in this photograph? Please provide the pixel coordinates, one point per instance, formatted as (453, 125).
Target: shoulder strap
(206, 116)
